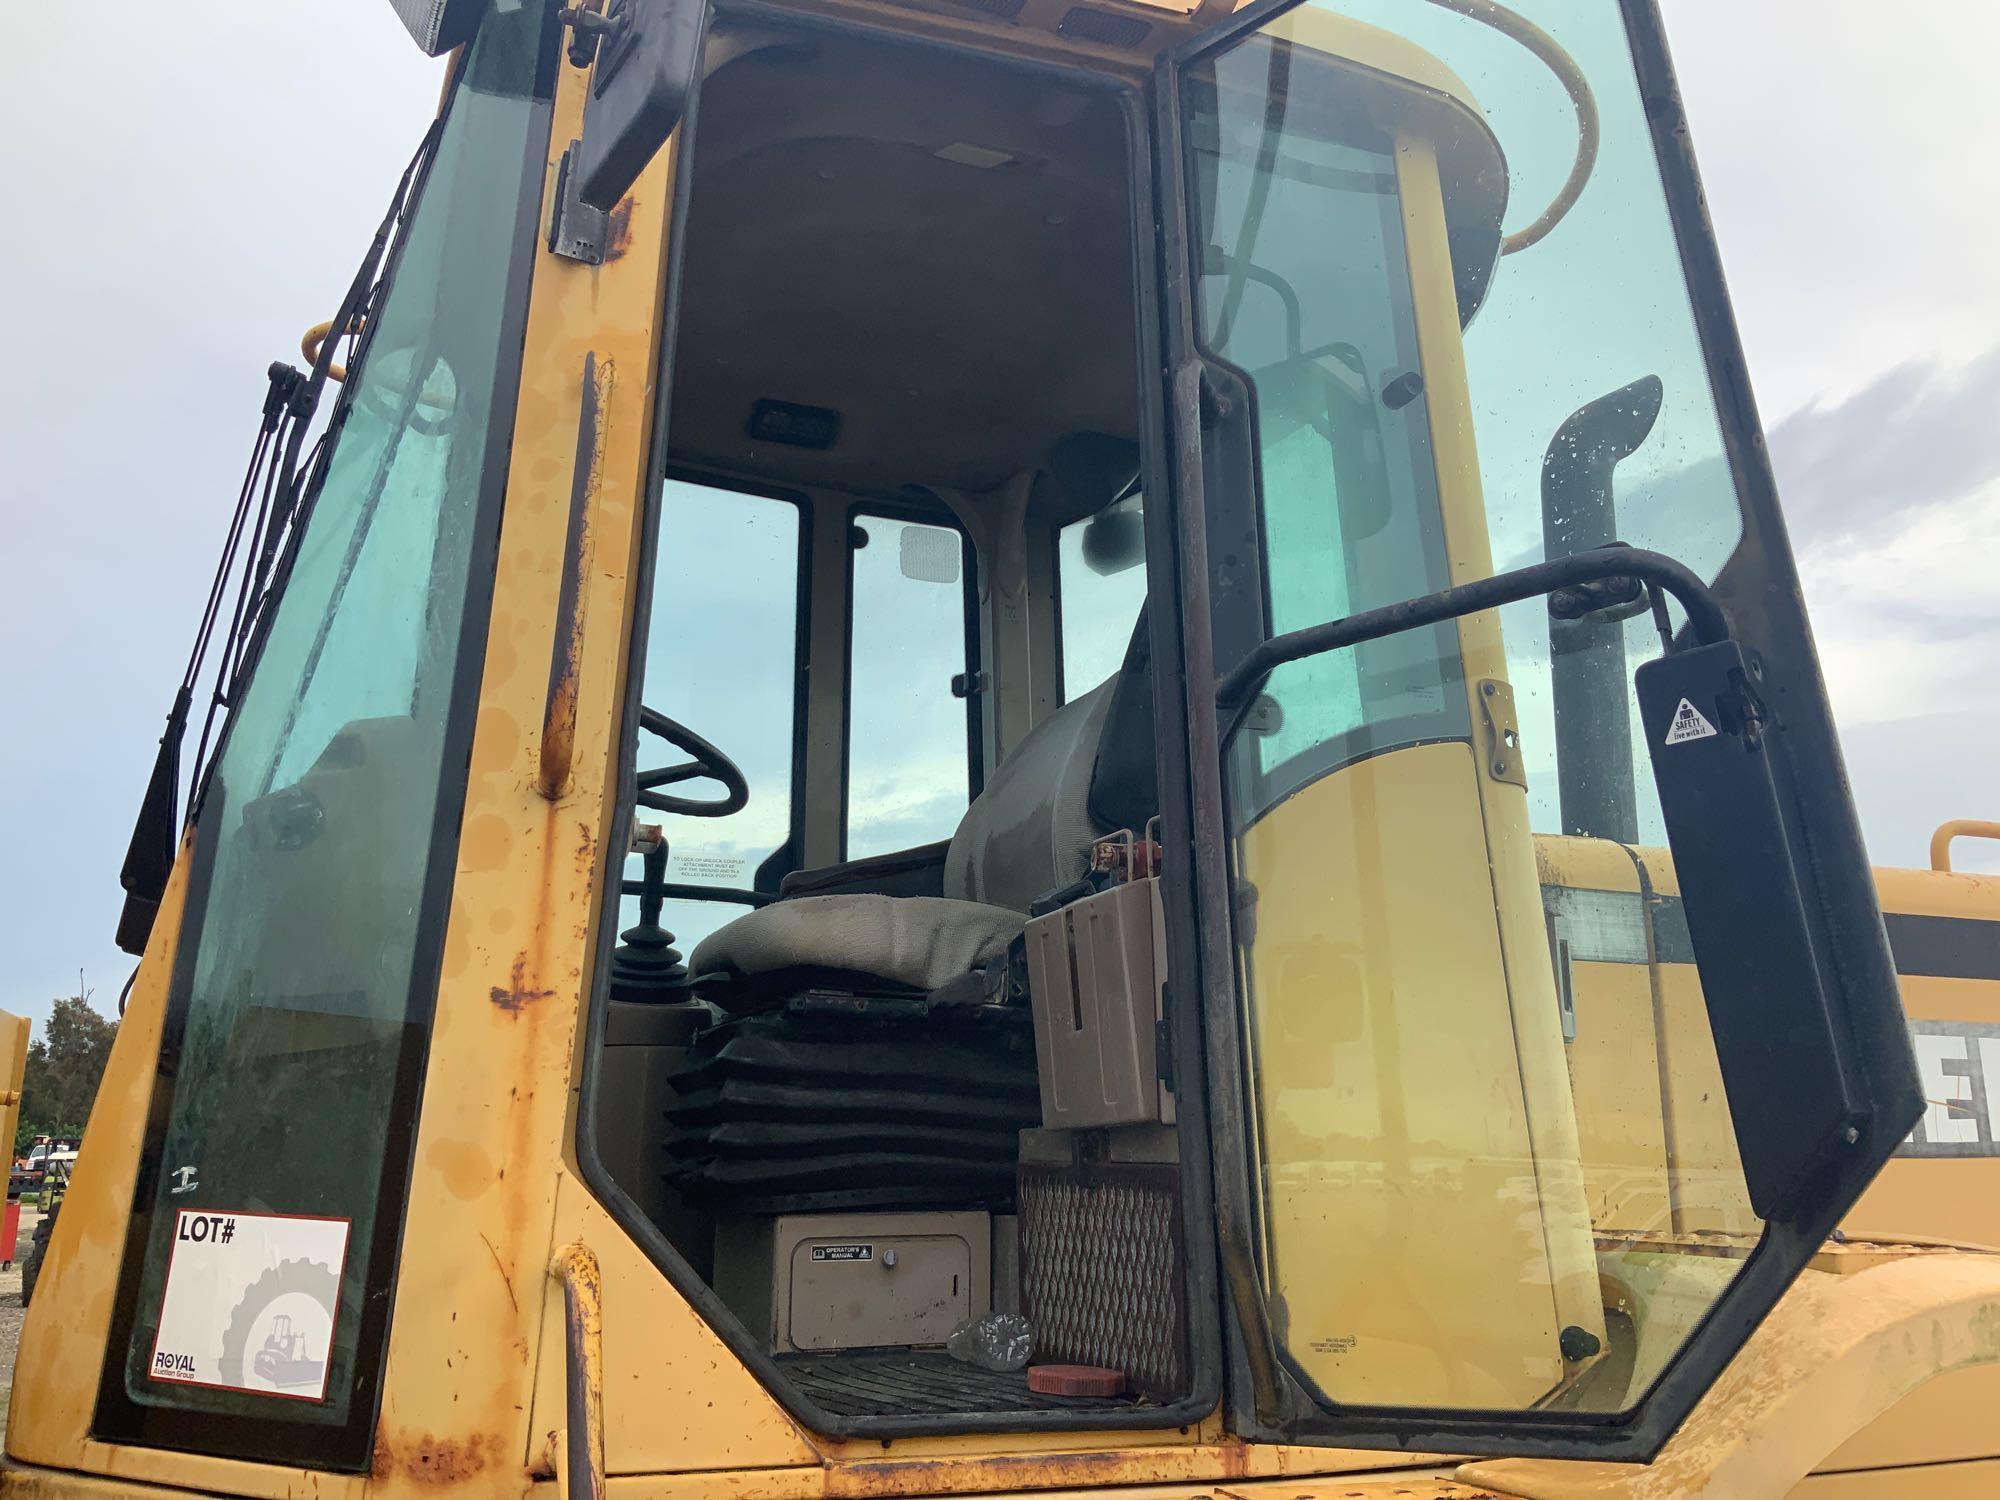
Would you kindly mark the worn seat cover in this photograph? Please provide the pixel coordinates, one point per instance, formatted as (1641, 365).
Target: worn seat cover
(922, 941)
(1027, 834)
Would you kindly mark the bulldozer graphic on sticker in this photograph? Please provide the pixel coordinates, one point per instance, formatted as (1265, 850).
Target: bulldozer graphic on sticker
(283, 1359)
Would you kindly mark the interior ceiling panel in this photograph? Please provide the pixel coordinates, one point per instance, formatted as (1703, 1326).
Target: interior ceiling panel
(961, 312)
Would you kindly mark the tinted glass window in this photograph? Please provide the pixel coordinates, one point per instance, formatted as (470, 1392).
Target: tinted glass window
(1310, 296)
(308, 960)
(1101, 579)
(1442, 387)
(908, 745)
(722, 657)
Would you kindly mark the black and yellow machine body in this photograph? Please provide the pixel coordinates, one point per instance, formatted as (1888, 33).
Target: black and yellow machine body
(1280, 836)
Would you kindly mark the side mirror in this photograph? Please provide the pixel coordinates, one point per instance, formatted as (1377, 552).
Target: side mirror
(1115, 538)
(648, 52)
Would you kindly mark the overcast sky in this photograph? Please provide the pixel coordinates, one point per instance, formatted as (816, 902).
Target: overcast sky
(188, 201)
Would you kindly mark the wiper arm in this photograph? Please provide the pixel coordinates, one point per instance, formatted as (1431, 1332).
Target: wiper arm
(282, 498)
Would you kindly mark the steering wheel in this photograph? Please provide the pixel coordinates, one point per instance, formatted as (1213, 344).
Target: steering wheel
(709, 764)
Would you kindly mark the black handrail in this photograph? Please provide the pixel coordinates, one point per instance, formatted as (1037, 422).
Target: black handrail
(1654, 569)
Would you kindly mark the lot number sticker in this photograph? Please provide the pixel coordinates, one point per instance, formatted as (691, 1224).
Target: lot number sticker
(249, 1303)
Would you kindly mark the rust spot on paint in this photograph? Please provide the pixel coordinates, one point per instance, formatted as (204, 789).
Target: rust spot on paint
(566, 658)
(1235, 1460)
(618, 231)
(425, 1459)
(1008, 1471)
(516, 996)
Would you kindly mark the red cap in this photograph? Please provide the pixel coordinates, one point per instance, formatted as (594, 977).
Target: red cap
(1075, 1380)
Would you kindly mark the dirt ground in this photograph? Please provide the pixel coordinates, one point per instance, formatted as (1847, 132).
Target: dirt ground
(11, 1311)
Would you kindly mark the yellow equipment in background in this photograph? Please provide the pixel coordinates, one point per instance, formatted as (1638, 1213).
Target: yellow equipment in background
(1278, 914)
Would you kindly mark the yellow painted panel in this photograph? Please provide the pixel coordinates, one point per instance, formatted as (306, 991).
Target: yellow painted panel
(675, 1398)
(1956, 1416)
(1233, 1472)
(1615, 1073)
(1973, 1481)
(1927, 997)
(1706, 1171)
(1932, 1198)
(13, 1074)
(1405, 1230)
(1945, 1198)
(469, 1343)
(1936, 893)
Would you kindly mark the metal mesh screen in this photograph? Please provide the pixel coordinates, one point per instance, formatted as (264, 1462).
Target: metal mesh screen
(1103, 1276)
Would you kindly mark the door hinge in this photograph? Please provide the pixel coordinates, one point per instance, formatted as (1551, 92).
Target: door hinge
(586, 26)
(1503, 735)
(576, 230)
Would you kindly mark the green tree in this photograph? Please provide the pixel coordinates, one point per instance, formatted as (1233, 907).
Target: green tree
(64, 1065)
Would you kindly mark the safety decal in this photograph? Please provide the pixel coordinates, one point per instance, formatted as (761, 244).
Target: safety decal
(1688, 725)
(250, 1303)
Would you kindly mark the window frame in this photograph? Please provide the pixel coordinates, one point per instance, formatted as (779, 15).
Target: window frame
(279, 1438)
(1270, 1400)
(1153, 291)
(889, 510)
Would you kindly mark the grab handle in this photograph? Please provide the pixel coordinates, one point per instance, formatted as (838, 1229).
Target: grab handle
(580, 1447)
(1555, 576)
(1958, 828)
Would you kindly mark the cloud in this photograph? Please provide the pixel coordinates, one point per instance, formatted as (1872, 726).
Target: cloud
(1909, 623)
(1894, 497)
(1919, 435)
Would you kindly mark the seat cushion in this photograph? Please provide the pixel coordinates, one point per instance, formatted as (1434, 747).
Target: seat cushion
(922, 941)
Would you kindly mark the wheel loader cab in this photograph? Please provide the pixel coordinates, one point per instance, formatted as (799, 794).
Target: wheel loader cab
(993, 720)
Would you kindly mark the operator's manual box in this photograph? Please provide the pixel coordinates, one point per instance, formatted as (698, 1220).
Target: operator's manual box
(250, 1302)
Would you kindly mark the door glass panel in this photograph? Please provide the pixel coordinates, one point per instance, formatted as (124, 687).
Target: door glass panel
(1309, 297)
(908, 735)
(1496, 1165)
(1100, 583)
(723, 658)
(309, 956)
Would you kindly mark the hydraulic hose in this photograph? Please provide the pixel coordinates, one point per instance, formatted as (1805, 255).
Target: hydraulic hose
(1518, 28)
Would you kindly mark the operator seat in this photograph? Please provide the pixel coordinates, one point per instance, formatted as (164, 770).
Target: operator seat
(1086, 770)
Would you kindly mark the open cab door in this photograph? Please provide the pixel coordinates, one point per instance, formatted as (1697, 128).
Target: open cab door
(1443, 276)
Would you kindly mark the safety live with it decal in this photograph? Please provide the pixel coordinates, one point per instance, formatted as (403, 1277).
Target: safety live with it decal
(250, 1302)
(1689, 723)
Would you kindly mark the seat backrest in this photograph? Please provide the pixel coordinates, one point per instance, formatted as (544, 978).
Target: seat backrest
(1084, 771)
